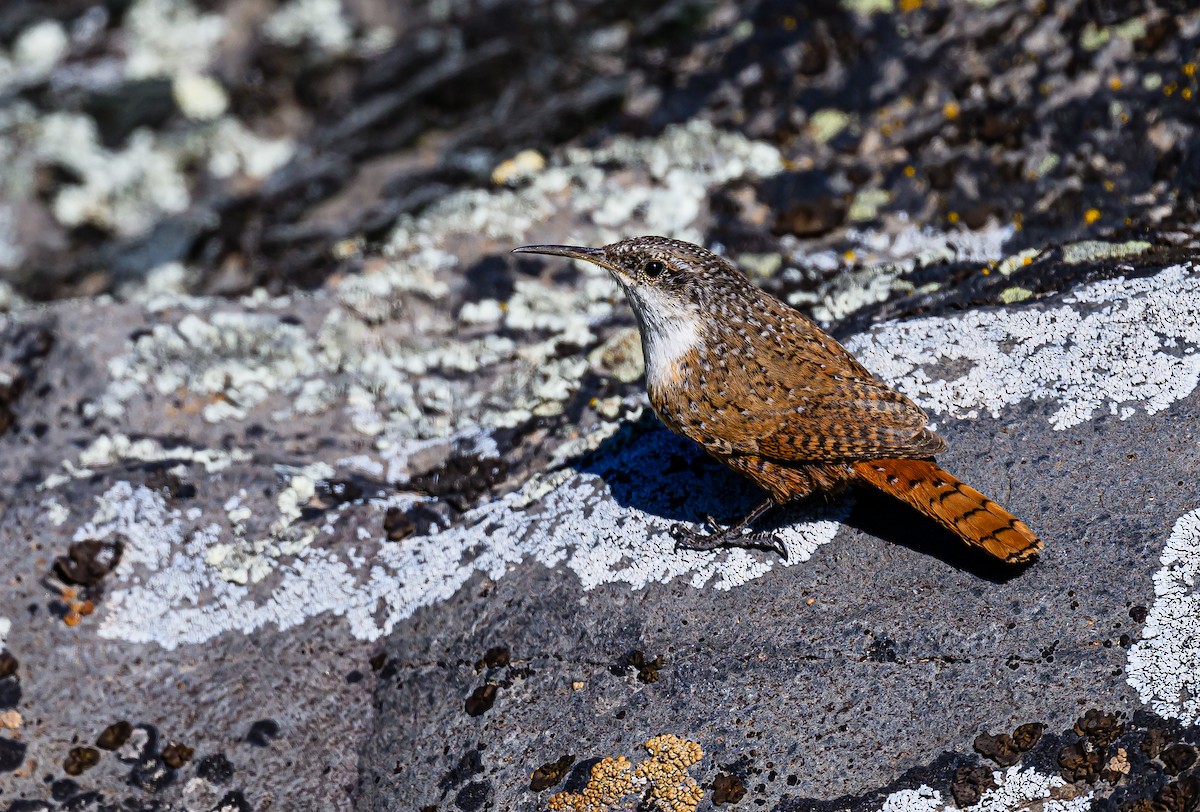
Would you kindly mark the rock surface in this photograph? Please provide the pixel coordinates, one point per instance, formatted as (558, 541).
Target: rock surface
(316, 498)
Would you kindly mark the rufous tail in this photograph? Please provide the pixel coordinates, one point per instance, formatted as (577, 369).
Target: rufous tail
(953, 504)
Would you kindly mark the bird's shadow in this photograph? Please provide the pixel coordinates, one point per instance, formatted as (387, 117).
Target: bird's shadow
(648, 468)
(893, 521)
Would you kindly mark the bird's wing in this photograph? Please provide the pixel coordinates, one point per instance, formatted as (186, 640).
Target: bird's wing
(810, 400)
(847, 420)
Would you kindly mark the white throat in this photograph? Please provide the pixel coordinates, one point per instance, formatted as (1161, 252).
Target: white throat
(669, 332)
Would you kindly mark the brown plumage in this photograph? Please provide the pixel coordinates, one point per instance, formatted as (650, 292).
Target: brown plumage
(767, 392)
(954, 505)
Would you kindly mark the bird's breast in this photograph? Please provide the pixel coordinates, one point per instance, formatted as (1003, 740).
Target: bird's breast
(671, 336)
(667, 354)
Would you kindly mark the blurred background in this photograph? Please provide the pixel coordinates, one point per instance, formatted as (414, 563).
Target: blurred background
(215, 146)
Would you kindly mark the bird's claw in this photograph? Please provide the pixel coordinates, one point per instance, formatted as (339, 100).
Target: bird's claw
(688, 539)
(770, 541)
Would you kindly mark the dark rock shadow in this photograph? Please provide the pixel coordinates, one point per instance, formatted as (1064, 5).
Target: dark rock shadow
(896, 523)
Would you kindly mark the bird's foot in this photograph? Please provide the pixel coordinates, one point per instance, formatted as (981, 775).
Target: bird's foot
(687, 538)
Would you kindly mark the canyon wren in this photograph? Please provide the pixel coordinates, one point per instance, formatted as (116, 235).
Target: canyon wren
(768, 393)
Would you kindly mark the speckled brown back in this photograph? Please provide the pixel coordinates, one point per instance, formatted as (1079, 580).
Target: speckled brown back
(769, 382)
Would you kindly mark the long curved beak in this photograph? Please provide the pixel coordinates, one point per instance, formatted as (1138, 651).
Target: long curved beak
(595, 255)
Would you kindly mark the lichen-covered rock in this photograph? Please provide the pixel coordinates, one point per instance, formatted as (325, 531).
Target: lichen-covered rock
(270, 514)
(663, 778)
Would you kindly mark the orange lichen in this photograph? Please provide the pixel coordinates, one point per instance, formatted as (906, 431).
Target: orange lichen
(950, 110)
(664, 775)
(1091, 215)
(666, 770)
(77, 609)
(612, 779)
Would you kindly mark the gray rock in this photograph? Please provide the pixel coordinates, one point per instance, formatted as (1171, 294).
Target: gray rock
(887, 649)
(258, 614)
(392, 530)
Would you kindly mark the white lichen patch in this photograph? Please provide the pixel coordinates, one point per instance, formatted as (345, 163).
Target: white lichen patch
(125, 190)
(321, 22)
(234, 360)
(567, 314)
(1112, 347)
(911, 245)
(1077, 253)
(921, 799)
(183, 581)
(410, 390)
(166, 282)
(1016, 789)
(107, 450)
(1164, 666)
(379, 293)
(199, 97)
(38, 50)
(5, 628)
(301, 487)
(56, 513)
(170, 37)
(853, 290)
(673, 171)
(398, 385)
(885, 258)
(385, 354)
(232, 149)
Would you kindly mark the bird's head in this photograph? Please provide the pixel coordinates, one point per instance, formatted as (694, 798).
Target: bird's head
(663, 278)
(676, 290)
(679, 292)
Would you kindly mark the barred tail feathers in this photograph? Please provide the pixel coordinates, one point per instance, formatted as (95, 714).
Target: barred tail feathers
(958, 507)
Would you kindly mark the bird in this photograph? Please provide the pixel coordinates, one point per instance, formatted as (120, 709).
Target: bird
(771, 395)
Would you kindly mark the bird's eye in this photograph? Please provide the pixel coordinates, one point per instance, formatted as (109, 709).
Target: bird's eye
(653, 268)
